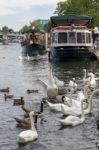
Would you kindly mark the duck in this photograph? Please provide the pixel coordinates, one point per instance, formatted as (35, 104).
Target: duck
(72, 120)
(25, 123)
(51, 88)
(7, 96)
(32, 91)
(28, 135)
(19, 101)
(5, 90)
(77, 111)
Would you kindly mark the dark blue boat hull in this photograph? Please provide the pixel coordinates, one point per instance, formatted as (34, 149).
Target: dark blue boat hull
(31, 50)
(70, 53)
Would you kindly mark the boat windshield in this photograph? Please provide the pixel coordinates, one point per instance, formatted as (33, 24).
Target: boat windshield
(74, 37)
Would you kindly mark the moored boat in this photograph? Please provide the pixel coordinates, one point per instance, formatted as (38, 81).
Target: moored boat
(71, 38)
(31, 45)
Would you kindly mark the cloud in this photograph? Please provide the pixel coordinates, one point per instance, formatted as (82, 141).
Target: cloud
(15, 6)
(17, 13)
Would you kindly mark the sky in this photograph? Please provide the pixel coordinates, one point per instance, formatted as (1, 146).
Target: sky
(17, 13)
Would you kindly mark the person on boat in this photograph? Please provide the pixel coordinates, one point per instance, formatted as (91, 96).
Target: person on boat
(96, 44)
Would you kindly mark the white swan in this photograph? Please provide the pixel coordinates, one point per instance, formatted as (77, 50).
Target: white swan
(59, 82)
(77, 102)
(85, 78)
(29, 135)
(92, 81)
(54, 107)
(74, 111)
(51, 88)
(72, 84)
(74, 120)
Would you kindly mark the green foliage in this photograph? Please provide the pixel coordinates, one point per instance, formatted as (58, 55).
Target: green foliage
(80, 7)
(37, 25)
(5, 30)
(25, 29)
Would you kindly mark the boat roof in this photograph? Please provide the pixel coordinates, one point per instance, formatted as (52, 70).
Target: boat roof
(70, 19)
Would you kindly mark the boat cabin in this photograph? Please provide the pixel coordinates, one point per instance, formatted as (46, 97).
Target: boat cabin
(71, 36)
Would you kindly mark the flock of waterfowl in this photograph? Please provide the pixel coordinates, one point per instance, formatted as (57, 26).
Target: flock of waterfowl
(73, 100)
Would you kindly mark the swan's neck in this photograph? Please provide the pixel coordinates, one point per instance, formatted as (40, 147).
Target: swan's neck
(82, 111)
(32, 123)
(85, 90)
(90, 99)
(41, 107)
(51, 80)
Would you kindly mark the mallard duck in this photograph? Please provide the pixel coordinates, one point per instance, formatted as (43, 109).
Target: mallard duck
(5, 90)
(19, 101)
(32, 91)
(7, 96)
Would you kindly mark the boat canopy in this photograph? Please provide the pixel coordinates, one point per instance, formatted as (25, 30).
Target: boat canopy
(70, 19)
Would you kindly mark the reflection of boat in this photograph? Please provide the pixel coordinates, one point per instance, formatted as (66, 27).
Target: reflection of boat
(33, 44)
(70, 38)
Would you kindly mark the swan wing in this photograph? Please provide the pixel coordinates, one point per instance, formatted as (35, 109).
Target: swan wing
(75, 111)
(70, 120)
(27, 135)
(54, 107)
(41, 83)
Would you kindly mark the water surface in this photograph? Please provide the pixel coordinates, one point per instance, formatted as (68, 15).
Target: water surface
(19, 75)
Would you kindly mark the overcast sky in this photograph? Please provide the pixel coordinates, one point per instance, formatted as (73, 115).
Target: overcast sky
(17, 13)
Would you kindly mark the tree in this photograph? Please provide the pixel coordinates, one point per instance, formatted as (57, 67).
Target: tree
(5, 30)
(25, 29)
(80, 7)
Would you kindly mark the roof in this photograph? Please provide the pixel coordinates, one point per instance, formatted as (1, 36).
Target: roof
(70, 19)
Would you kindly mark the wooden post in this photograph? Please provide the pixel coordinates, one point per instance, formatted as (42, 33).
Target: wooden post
(46, 41)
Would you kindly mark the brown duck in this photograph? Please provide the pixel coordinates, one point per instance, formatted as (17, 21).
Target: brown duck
(6, 96)
(19, 101)
(5, 90)
(25, 123)
(32, 91)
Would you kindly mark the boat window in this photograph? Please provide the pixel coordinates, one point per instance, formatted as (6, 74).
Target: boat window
(54, 38)
(72, 37)
(62, 37)
(80, 37)
(83, 37)
(88, 38)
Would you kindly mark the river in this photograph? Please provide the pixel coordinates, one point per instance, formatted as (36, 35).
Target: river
(19, 75)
